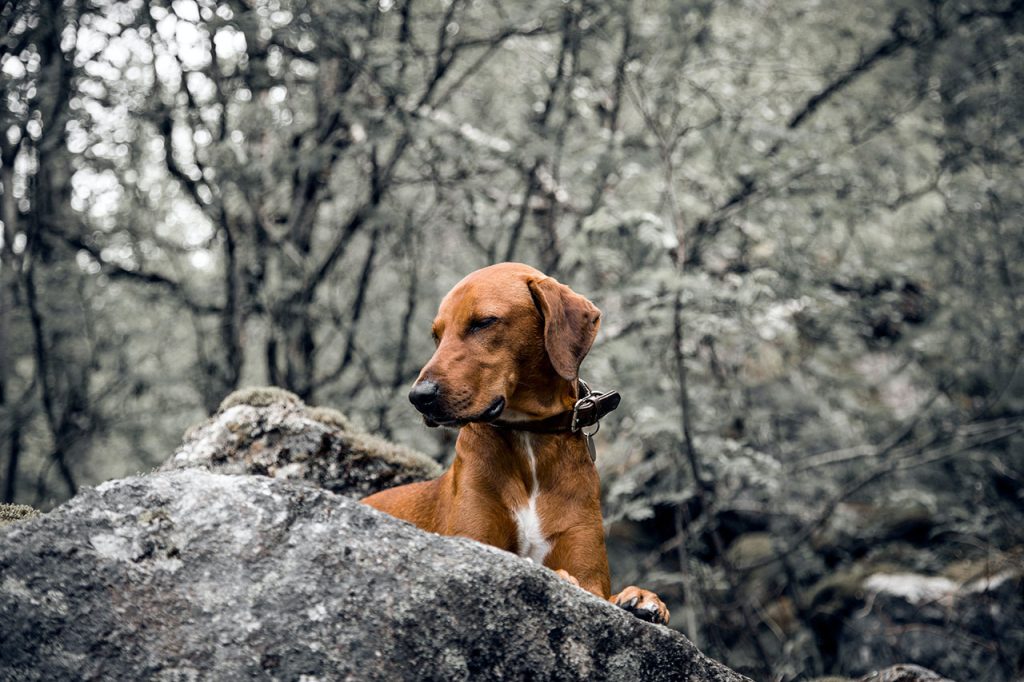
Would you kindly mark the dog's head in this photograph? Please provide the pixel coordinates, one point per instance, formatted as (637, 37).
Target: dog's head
(510, 341)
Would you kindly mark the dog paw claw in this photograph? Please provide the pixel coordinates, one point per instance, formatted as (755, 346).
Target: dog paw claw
(643, 604)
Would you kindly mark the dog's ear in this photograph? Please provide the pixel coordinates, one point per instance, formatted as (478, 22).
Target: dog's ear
(570, 324)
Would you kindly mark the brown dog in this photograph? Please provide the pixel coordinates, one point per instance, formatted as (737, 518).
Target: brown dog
(509, 346)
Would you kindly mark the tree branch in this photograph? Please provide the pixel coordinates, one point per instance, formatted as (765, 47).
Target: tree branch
(117, 271)
(357, 310)
(908, 457)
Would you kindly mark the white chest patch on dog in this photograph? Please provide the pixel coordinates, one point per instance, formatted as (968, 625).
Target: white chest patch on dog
(532, 543)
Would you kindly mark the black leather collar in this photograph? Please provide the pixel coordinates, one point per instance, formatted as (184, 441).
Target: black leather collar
(589, 409)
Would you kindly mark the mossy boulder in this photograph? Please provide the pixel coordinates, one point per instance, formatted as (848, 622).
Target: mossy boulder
(268, 431)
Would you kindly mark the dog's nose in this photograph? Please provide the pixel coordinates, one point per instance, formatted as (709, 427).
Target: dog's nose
(424, 395)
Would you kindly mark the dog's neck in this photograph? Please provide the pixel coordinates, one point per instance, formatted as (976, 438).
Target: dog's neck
(535, 403)
(588, 407)
(539, 453)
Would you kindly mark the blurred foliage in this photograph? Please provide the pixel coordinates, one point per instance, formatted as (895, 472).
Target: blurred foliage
(803, 223)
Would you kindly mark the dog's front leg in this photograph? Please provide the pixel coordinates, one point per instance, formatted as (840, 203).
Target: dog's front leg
(578, 555)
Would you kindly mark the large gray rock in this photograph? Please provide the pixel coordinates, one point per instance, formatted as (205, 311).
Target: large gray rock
(190, 575)
(270, 432)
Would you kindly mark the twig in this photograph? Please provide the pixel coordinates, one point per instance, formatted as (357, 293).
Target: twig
(927, 456)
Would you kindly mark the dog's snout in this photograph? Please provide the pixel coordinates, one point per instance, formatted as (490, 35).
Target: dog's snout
(424, 395)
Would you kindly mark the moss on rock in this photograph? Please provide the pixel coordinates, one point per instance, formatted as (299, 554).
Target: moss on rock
(332, 417)
(389, 452)
(259, 396)
(9, 513)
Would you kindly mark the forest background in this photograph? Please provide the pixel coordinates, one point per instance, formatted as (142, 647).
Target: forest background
(802, 220)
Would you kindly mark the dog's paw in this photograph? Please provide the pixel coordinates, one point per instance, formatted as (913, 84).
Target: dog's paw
(565, 575)
(643, 604)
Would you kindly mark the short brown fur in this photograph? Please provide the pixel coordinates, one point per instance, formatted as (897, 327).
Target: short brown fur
(529, 359)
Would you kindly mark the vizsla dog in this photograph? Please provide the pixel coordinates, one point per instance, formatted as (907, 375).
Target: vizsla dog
(509, 346)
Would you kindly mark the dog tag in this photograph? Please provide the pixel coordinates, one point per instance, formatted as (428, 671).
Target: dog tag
(591, 448)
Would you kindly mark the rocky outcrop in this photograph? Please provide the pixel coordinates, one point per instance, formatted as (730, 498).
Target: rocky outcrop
(194, 575)
(270, 432)
(938, 622)
(273, 572)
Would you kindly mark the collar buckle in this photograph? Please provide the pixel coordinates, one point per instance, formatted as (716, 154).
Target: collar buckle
(591, 407)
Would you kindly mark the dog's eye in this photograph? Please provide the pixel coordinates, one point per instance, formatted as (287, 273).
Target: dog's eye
(482, 323)
(437, 339)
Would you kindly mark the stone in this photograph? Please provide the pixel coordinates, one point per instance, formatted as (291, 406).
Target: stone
(270, 432)
(904, 673)
(896, 673)
(188, 574)
(937, 622)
